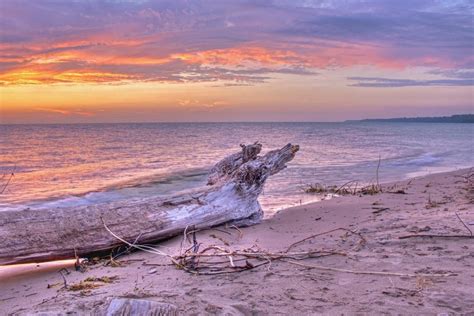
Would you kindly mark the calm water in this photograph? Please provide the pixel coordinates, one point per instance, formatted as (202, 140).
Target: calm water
(63, 165)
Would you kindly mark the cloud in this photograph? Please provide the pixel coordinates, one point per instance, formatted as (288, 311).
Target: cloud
(236, 65)
(66, 112)
(233, 42)
(195, 105)
(375, 82)
(454, 73)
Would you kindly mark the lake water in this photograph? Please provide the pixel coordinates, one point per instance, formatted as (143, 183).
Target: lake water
(65, 165)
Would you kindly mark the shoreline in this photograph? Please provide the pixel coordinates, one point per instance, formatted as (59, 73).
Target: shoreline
(429, 207)
(271, 210)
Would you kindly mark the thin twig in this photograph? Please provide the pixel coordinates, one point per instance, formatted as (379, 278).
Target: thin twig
(140, 247)
(146, 248)
(442, 236)
(195, 249)
(127, 250)
(377, 172)
(366, 272)
(241, 234)
(221, 230)
(184, 239)
(324, 233)
(239, 269)
(460, 219)
(435, 236)
(64, 277)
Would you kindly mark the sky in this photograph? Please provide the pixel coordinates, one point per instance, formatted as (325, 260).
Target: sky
(283, 60)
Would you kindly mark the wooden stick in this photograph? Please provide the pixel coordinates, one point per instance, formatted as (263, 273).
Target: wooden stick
(460, 219)
(435, 236)
(367, 272)
(442, 236)
(324, 233)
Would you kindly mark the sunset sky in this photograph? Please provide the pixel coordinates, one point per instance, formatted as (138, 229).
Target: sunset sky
(283, 60)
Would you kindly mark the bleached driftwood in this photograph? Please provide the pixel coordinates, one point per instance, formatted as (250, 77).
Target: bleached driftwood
(113, 306)
(131, 306)
(61, 233)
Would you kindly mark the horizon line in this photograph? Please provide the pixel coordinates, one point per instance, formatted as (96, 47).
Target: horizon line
(363, 120)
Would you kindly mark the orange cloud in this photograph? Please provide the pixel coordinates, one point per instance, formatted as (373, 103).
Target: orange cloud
(239, 56)
(33, 76)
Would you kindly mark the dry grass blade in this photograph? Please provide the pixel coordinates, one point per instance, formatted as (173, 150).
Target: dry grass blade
(347, 188)
(12, 174)
(91, 283)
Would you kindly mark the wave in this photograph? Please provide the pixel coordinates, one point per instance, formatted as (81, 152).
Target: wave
(419, 159)
(131, 189)
(425, 160)
(158, 179)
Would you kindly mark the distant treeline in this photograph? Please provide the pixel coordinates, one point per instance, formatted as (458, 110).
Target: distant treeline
(460, 118)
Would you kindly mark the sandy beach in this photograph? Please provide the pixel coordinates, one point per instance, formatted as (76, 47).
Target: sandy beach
(370, 269)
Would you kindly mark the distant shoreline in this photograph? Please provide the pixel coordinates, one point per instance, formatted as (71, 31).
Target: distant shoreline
(460, 118)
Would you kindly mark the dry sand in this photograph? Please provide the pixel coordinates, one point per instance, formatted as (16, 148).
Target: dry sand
(429, 207)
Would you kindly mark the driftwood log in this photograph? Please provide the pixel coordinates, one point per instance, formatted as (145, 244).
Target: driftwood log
(51, 234)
